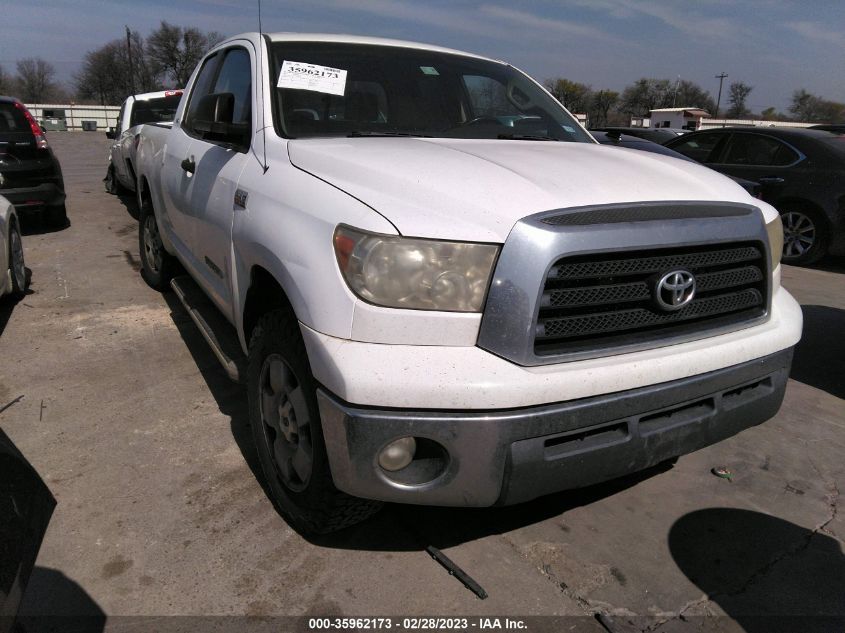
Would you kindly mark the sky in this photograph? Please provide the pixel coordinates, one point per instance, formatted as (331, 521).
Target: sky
(777, 46)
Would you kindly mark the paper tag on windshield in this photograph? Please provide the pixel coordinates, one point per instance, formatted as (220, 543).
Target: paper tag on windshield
(302, 76)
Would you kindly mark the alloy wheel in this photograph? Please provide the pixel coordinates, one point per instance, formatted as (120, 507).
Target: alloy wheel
(799, 234)
(286, 423)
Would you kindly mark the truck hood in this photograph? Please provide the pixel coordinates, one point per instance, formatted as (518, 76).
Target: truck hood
(476, 190)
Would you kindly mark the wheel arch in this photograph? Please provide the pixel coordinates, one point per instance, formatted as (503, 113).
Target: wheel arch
(265, 293)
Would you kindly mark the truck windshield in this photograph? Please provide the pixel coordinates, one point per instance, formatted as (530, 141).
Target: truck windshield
(339, 89)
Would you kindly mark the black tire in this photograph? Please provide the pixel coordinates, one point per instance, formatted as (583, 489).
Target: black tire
(112, 185)
(17, 266)
(57, 216)
(158, 266)
(805, 236)
(286, 429)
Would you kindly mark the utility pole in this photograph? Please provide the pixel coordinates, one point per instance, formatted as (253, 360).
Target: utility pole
(675, 94)
(721, 78)
(129, 52)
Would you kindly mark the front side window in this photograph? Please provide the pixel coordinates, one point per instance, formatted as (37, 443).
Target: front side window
(403, 91)
(699, 147)
(235, 77)
(202, 87)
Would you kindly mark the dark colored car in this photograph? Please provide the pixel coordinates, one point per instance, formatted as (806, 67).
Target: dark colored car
(801, 171)
(26, 506)
(30, 174)
(654, 134)
(838, 128)
(633, 142)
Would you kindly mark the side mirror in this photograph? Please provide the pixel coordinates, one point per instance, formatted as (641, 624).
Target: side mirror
(110, 133)
(213, 119)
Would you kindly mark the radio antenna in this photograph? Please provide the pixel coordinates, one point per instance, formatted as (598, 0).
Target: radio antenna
(260, 73)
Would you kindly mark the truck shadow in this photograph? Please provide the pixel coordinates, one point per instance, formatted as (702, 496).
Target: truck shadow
(53, 602)
(130, 203)
(818, 356)
(766, 573)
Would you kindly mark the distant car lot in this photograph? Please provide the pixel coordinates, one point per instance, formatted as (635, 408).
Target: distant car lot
(143, 440)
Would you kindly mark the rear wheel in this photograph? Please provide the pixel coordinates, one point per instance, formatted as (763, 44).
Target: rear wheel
(285, 421)
(804, 236)
(16, 262)
(157, 265)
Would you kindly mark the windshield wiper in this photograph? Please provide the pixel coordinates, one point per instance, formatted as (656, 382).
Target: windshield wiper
(527, 137)
(371, 133)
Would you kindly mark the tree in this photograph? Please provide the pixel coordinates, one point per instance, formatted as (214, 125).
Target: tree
(737, 94)
(645, 95)
(174, 51)
(811, 108)
(105, 74)
(691, 95)
(600, 106)
(35, 80)
(575, 97)
(5, 82)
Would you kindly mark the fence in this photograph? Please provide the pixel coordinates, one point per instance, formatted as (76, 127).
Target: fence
(72, 117)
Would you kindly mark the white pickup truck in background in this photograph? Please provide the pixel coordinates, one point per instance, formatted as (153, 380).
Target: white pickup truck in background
(439, 289)
(141, 109)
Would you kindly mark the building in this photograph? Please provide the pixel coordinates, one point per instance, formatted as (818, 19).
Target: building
(682, 118)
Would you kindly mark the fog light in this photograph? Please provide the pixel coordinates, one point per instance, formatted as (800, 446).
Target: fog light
(398, 454)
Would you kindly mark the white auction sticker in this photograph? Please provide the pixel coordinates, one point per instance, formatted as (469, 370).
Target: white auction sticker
(302, 76)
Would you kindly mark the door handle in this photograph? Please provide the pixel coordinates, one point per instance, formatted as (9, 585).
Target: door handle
(189, 165)
(771, 180)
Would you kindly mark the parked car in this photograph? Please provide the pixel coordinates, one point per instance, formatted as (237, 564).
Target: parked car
(13, 279)
(802, 174)
(617, 139)
(32, 176)
(839, 128)
(654, 134)
(439, 289)
(26, 506)
(157, 108)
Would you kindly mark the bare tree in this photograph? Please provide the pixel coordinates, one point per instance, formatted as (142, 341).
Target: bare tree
(35, 80)
(600, 107)
(6, 82)
(175, 51)
(105, 74)
(645, 95)
(737, 94)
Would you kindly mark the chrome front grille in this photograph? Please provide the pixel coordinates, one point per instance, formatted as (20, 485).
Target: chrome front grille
(604, 300)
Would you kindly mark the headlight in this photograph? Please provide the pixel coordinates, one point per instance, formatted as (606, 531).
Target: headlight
(419, 274)
(775, 231)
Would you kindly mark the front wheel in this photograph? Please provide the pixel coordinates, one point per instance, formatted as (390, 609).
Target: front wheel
(286, 429)
(804, 236)
(112, 185)
(158, 266)
(16, 262)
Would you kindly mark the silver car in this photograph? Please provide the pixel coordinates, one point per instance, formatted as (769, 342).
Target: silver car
(12, 270)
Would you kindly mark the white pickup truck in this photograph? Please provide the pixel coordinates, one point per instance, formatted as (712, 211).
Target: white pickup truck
(156, 108)
(439, 289)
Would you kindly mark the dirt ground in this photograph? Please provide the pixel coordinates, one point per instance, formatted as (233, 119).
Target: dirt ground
(145, 443)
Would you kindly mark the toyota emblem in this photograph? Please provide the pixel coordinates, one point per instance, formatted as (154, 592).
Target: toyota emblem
(675, 290)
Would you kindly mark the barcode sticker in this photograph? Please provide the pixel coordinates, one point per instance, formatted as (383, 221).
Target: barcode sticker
(302, 76)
